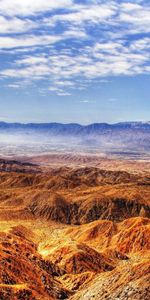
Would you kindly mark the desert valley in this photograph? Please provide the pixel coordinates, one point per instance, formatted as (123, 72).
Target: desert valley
(74, 226)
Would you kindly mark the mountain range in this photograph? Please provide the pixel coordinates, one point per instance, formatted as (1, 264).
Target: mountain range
(75, 128)
(101, 137)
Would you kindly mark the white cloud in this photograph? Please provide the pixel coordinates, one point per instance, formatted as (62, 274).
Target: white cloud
(59, 91)
(30, 7)
(32, 60)
(85, 13)
(75, 33)
(130, 7)
(63, 93)
(75, 45)
(7, 42)
(99, 61)
(84, 101)
(141, 45)
(65, 83)
(30, 40)
(14, 25)
(13, 86)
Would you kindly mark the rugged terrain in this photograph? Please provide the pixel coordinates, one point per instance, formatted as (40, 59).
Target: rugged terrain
(74, 232)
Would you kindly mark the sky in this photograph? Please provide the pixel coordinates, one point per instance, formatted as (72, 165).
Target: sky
(74, 61)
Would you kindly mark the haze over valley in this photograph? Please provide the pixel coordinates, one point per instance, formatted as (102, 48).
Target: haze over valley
(130, 139)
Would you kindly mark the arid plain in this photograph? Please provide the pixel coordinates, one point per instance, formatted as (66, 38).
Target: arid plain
(74, 227)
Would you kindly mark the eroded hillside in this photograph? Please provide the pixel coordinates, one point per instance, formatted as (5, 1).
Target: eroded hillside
(76, 233)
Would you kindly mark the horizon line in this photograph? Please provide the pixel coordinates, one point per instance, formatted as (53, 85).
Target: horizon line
(74, 123)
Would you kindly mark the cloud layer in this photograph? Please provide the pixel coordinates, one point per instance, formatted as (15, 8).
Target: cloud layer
(67, 44)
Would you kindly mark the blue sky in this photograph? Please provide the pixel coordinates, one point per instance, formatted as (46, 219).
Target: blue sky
(74, 61)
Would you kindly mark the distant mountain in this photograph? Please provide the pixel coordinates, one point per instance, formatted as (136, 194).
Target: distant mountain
(125, 136)
(74, 128)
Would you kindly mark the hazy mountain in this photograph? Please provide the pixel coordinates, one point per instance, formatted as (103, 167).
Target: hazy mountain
(125, 136)
(74, 128)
